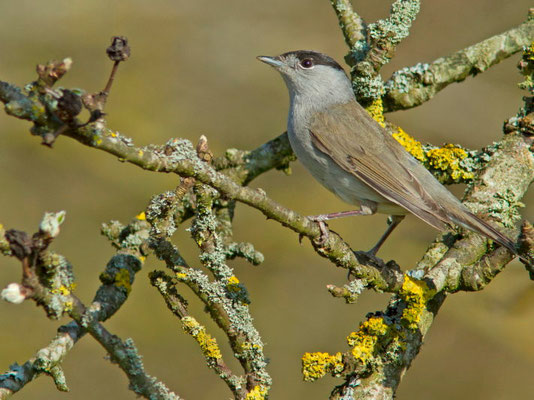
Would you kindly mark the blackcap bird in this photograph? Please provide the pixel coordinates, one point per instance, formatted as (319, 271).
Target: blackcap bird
(350, 154)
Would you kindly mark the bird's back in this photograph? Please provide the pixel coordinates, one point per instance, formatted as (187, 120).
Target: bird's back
(358, 144)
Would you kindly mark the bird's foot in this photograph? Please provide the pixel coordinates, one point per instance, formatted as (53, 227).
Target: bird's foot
(368, 257)
(320, 219)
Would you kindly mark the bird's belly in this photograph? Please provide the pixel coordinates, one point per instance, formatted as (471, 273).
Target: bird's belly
(343, 184)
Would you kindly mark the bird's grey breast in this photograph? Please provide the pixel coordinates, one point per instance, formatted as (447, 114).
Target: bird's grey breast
(323, 168)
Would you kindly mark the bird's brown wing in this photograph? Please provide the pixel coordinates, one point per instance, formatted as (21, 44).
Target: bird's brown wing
(362, 147)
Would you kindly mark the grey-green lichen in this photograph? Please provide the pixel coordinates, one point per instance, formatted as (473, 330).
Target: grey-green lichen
(503, 206)
(367, 87)
(22, 104)
(57, 374)
(161, 213)
(238, 314)
(397, 26)
(403, 79)
(131, 236)
(350, 291)
(178, 150)
(245, 250)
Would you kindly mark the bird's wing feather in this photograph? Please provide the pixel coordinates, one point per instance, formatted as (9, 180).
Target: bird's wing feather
(383, 164)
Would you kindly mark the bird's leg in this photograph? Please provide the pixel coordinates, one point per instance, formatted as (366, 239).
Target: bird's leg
(393, 221)
(365, 209)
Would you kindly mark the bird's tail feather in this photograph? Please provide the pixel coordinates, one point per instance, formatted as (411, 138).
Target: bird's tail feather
(473, 223)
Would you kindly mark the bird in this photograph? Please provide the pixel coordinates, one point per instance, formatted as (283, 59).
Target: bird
(354, 157)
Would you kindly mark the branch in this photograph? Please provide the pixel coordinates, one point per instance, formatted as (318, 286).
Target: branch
(225, 298)
(385, 345)
(412, 86)
(117, 278)
(371, 47)
(224, 302)
(208, 344)
(244, 166)
(57, 300)
(351, 24)
(179, 157)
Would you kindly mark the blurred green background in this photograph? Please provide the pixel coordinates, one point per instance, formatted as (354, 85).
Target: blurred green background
(193, 71)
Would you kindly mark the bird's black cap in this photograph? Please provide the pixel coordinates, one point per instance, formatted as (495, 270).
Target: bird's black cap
(316, 57)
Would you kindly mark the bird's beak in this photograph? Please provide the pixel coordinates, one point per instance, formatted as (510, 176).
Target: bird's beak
(272, 61)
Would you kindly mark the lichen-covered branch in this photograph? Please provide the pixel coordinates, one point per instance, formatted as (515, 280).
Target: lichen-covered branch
(412, 86)
(208, 344)
(384, 345)
(243, 166)
(226, 302)
(179, 156)
(48, 281)
(351, 24)
(117, 279)
(231, 296)
(373, 46)
(226, 299)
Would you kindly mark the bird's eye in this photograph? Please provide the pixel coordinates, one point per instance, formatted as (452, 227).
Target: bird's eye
(306, 63)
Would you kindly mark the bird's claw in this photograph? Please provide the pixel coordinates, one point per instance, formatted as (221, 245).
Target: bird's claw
(364, 257)
(323, 237)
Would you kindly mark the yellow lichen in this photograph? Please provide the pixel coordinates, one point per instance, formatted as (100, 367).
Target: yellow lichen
(65, 291)
(376, 110)
(141, 216)
(181, 275)
(38, 109)
(207, 344)
(62, 290)
(140, 152)
(416, 295)
(364, 341)
(375, 325)
(233, 284)
(317, 365)
(68, 306)
(529, 52)
(413, 146)
(258, 393)
(251, 346)
(122, 279)
(447, 158)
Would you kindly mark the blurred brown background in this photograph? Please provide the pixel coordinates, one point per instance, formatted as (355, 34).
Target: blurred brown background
(193, 72)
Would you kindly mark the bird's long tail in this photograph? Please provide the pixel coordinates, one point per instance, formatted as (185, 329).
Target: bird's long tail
(473, 223)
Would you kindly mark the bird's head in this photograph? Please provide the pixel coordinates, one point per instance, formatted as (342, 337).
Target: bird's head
(312, 74)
